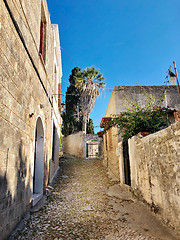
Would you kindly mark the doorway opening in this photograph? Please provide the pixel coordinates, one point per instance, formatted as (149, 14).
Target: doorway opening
(92, 149)
(38, 173)
(127, 176)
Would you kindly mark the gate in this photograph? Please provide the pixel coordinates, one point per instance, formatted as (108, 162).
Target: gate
(92, 150)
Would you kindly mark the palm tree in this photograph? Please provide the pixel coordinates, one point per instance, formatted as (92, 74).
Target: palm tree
(89, 82)
(90, 75)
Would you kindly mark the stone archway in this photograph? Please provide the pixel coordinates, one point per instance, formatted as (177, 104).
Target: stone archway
(38, 173)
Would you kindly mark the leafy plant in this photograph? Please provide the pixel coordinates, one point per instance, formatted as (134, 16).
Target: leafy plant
(60, 144)
(135, 119)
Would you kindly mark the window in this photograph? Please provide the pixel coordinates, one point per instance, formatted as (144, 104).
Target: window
(42, 49)
(55, 80)
(59, 96)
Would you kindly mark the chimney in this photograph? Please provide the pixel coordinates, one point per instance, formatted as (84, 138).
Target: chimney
(172, 78)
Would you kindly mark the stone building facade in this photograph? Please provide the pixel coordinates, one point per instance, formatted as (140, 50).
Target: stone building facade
(30, 78)
(120, 99)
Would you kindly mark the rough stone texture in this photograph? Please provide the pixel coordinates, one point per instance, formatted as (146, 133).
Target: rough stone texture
(111, 158)
(21, 94)
(86, 204)
(136, 95)
(73, 144)
(155, 171)
(121, 162)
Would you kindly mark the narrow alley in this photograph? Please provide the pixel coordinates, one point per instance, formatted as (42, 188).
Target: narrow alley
(86, 204)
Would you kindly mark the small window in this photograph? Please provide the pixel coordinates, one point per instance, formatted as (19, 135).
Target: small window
(55, 80)
(59, 96)
(42, 48)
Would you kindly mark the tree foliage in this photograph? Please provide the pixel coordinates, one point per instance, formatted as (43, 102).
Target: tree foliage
(89, 82)
(71, 121)
(90, 75)
(90, 127)
(74, 112)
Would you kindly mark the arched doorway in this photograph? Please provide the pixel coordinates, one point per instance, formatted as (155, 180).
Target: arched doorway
(38, 173)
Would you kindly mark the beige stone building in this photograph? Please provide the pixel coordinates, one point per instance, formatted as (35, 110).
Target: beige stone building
(120, 99)
(30, 78)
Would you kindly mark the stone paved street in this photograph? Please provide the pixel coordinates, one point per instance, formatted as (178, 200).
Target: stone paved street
(86, 204)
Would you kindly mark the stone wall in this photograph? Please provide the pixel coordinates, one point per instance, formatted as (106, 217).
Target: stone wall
(26, 90)
(111, 158)
(73, 144)
(155, 171)
(110, 141)
(76, 144)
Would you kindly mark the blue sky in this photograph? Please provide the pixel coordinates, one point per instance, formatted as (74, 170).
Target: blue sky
(130, 41)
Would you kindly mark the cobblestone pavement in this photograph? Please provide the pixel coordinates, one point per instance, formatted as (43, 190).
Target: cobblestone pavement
(86, 204)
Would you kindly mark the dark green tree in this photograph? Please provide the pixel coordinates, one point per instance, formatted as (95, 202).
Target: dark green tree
(71, 116)
(89, 82)
(90, 127)
(80, 99)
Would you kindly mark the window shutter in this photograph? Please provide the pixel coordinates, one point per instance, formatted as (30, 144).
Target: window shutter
(59, 96)
(42, 38)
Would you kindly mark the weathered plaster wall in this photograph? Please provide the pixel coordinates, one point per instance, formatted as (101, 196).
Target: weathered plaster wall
(111, 109)
(121, 162)
(111, 158)
(56, 118)
(155, 171)
(73, 144)
(125, 94)
(21, 94)
(110, 141)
